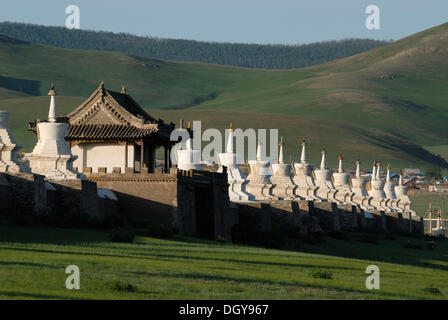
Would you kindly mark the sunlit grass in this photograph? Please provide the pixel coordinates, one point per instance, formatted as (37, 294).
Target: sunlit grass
(33, 262)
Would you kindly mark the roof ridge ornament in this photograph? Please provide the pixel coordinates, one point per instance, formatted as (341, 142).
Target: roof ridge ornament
(123, 90)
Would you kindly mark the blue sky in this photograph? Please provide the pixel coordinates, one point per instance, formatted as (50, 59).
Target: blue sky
(250, 21)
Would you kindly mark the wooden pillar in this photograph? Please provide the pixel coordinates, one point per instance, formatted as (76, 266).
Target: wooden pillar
(166, 159)
(170, 164)
(125, 154)
(152, 158)
(141, 155)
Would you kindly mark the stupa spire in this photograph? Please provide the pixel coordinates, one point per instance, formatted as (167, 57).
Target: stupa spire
(323, 162)
(378, 170)
(358, 171)
(303, 156)
(340, 169)
(280, 156)
(229, 148)
(388, 172)
(374, 170)
(259, 150)
(52, 112)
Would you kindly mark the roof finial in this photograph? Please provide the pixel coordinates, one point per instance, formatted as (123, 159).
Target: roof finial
(123, 90)
(230, 127)
(189, 124)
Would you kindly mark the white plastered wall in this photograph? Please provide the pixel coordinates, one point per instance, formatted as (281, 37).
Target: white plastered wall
(108, 155)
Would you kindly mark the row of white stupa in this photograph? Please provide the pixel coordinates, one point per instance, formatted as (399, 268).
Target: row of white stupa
(306, 183)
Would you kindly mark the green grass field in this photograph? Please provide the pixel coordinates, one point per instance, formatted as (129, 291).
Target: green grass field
(382, 104)
(33, 262)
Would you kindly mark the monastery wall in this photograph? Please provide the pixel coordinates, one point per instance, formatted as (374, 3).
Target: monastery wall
(24, 193)
(325, 217)
(151, 197)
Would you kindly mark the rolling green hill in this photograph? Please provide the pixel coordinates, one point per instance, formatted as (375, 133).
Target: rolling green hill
(382, 104)
(234, 54)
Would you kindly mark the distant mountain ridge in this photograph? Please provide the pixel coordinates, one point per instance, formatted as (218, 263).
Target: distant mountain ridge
(233, 54)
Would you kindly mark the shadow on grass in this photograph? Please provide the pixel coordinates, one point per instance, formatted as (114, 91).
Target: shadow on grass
(16, 295)
(386, 251)
(290, 284)
(27, 264)
(167, 257)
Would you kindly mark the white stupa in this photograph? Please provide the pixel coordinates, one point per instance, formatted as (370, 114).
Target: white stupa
(9, 148)
(189, 159)
(377, 188)
(282, 179)
(231, 161)
(361, 196)
(342, 184)
(401, 192)
(51, 156)
(259, 185)
(303, 179)
(323, 180)
(389, 190)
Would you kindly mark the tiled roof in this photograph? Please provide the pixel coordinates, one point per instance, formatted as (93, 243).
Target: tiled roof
(129, 104)
(95, 131)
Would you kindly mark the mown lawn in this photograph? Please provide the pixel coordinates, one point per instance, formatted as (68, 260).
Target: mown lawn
(33, 262)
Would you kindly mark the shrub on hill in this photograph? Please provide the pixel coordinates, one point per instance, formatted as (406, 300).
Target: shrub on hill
(433, 290)
(122, 286)
(322, 275)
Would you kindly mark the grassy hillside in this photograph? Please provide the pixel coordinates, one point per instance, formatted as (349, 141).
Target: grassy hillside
(33, 262)
(383, 104)
(234, 54)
